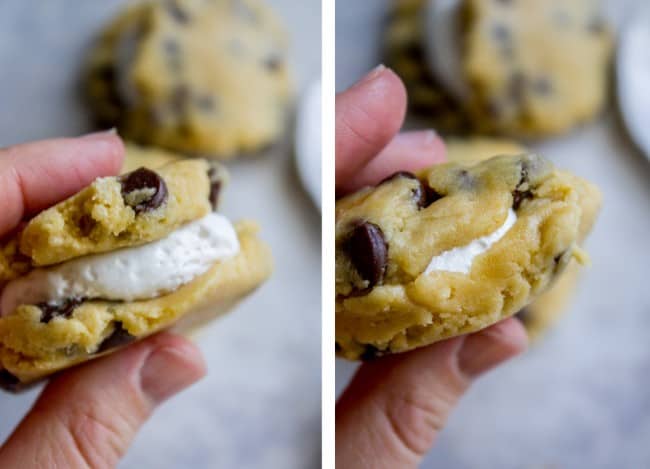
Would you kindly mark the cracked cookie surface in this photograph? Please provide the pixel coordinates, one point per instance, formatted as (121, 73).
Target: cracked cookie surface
(196, 76)
(387, 299)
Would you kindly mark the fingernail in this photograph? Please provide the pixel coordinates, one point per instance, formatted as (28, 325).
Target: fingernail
(99, 135)
(168, 371)
(420, 138)
(486, 349)
(374, 73)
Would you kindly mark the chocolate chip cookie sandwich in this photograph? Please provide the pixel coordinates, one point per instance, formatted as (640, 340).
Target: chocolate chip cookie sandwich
(206, 77)
(452, 250)
(525, 67)
(122, 259)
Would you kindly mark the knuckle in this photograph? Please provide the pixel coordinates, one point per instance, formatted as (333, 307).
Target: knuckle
(416, 417)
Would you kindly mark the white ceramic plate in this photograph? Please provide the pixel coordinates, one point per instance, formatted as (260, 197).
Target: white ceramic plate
(308, 141)
(633, 78)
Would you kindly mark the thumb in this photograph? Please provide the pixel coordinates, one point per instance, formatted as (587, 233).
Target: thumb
(392, 411)
(88, 416)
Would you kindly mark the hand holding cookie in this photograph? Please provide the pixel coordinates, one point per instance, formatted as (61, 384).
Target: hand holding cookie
(101, 405)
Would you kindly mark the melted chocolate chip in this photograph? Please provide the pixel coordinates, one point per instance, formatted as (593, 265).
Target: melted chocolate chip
(119, 337)
(143, 190)
(423, 194)
(520, 194)
(86, 224)
(370, 353)
(55, 310)
(9, 382)
(518, 197)
(176, 12)
(368, 252)
(215, 187)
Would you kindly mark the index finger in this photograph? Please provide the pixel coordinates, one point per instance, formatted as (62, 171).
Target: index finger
(34, 176)
(368, 115)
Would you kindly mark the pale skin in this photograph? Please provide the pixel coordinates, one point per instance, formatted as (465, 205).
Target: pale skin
(392, 411)
(89, 415)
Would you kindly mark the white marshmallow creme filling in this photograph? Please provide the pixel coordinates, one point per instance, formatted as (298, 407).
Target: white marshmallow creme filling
(130, 274)
(460, 259)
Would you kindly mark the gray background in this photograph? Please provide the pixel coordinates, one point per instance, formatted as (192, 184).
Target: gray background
(581, 398)
(259, 406)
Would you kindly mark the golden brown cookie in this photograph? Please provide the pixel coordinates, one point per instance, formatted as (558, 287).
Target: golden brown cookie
(451, 251)
(205, 77)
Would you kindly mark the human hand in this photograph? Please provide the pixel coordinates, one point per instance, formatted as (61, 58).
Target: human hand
(394, 407)
(86, 416)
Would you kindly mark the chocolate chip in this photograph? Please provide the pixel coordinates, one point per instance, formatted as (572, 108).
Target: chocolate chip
(522, 190)
(176, 12)
(63, 309)
(205, 103)
(560, 261)
(273, 63)
(337, 347)
(502, 34)
(9, 382)
(119, 337)
(517, 87)
(542, 86)
(518, 197)
(86, 224)
(215, 187)
(423, 194)
(171, 46)
(143, 190)
(370, 353)
(368, 252)
(495, 109)
(597, 26)
(180, 98)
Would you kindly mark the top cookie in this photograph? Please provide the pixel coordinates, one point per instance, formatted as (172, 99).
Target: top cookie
(535, 67)
(196, 76)
(451, 251)
(115, 212)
